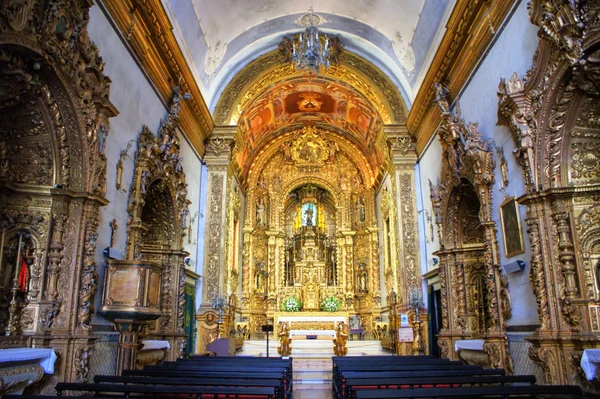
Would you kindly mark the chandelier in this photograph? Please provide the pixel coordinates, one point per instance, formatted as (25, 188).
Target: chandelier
(309, 50)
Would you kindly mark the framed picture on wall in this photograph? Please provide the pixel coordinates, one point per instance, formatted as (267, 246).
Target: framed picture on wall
(511, 227)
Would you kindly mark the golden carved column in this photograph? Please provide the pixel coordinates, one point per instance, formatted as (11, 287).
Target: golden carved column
(272, 263)
(404, 158)
(218, 150)
(348, 237)
(247, 249)
(375, 280)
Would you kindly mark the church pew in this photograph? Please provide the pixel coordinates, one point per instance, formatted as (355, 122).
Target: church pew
(222, 374)
(353, 385)
(368, 367)
(226, 367)
(535, 391)
(163, 390)
(278, 384)
(340, 380)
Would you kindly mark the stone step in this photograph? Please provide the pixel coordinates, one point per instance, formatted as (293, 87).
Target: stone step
(312, 370)
(319, 348)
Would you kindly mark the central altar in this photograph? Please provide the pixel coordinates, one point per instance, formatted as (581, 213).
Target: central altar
(311, 323)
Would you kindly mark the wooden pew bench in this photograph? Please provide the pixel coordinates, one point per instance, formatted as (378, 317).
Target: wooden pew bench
(352, 385)
(339, 384)
(280, 375)
(228, 381)
(199, 392)
(535, 391)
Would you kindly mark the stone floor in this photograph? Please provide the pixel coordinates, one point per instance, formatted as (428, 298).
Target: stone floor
(313, 391)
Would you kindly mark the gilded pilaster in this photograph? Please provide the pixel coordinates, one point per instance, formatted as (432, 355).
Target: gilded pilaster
(217, 159)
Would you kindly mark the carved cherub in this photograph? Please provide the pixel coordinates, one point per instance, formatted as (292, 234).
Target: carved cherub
(441, 97)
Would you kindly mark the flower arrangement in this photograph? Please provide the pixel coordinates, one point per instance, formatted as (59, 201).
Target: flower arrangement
(292, 304)
(331, 304)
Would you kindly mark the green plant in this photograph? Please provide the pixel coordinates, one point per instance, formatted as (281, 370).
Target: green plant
(331, 304)
(292, 304)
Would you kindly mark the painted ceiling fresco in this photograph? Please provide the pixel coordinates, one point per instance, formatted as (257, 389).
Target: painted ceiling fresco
(220, 37)
(302, 100)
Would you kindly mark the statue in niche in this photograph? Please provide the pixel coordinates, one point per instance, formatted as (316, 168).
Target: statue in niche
(260, 277)
(362, 278)
(309, 215)
(333, 149)
(360, 210)
(286, 149)
(260, 212)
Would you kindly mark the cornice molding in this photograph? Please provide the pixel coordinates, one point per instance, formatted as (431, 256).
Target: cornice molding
(471, 28)
(145, 26)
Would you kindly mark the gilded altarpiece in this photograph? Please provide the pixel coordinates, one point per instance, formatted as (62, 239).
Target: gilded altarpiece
(157, 224)
(55, 111)
(474, 294)
(553, 113)
(310, 229)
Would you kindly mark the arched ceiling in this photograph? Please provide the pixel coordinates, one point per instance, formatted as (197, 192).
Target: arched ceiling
(221, 37)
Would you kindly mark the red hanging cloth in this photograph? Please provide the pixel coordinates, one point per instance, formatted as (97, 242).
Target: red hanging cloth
(23, 275)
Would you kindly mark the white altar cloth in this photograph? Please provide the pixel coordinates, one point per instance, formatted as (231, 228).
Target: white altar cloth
(151, 344)
(325, 317)
(301, 333)
(45, 357)
(590, 360)
(469, 344)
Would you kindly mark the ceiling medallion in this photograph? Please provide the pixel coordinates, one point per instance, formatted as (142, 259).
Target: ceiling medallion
(310, 102)
(309, 50)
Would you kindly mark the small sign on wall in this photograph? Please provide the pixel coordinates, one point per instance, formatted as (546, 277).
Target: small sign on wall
(403, 320)
(405, 334)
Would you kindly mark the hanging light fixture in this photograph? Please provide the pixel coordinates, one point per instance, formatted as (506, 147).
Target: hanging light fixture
(309, 50)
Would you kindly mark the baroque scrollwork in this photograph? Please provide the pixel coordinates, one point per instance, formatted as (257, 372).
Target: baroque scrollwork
(54, 94)
(469, 274)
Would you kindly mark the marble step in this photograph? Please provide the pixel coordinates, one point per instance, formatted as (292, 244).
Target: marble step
(312, 348)
(312, 370)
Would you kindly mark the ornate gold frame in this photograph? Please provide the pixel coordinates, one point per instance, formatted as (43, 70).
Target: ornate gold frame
(503, 218)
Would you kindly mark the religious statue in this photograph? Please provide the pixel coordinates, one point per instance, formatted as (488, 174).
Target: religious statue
(260, 212)
(113, 232)
(284, 340)
(360, 210)
(260, 277)
(339, 342)
(362, 278)
(309, 215)
(441, 97)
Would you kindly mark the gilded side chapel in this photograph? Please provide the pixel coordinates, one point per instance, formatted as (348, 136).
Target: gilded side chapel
(414, 177)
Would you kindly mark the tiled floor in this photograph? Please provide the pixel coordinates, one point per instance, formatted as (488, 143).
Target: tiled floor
(313, 391)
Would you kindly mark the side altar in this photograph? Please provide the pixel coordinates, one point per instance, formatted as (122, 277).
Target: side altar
(311, 323)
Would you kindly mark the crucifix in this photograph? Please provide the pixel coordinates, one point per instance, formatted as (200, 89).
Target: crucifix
(113, 232)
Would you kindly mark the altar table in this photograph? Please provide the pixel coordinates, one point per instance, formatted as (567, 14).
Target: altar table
(21, 367)
(311, 323)
(590, 360)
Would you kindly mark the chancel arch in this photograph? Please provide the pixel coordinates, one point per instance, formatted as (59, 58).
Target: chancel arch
(306, 163)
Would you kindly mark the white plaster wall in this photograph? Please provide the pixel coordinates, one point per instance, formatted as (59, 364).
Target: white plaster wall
(512, 52)
(138, 105)
(192, 166)
(428, 168)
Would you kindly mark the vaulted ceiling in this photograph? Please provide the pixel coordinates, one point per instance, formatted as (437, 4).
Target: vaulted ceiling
(219, 38)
